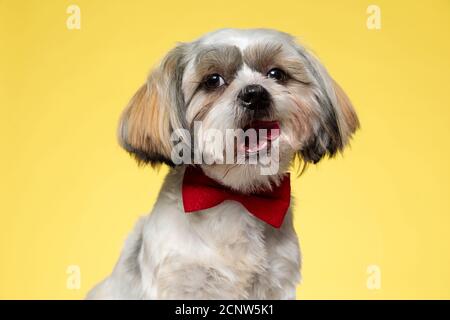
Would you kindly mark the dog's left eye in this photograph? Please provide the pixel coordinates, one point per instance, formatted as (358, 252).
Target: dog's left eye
(214, 81)
(277, 74)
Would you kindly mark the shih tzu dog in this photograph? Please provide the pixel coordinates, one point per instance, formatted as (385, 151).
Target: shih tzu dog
(222, 226)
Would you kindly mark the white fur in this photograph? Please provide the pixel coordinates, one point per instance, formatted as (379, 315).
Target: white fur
(220, 253)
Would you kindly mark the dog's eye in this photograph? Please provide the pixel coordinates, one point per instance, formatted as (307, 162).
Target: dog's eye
(214, 81)
(277, 74)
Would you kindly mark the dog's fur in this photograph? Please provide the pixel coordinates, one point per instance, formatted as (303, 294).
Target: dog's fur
(224, 252)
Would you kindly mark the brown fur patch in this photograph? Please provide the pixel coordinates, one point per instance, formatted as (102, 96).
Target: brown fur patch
(154, 111)
(224, 60)
(144, 124)
(349, 117)
(264, 57)
(261, 57)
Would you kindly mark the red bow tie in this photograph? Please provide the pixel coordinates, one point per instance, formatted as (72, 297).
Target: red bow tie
(201, 192)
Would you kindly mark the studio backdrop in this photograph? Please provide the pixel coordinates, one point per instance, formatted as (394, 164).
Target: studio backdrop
(373, 223)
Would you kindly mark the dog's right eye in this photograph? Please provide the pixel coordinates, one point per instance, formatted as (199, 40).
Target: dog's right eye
(214, 81)
(277, 74)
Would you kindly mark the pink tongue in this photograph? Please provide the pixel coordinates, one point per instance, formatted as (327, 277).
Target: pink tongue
(256, 146)
(272, 132)
(272, 128)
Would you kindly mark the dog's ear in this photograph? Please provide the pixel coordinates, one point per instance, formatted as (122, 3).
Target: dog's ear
(154, 111)
(336, 117)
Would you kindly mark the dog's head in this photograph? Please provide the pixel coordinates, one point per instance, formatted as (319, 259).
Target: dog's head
(239, 79)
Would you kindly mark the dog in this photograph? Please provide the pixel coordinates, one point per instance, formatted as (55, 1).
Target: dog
(225, 230)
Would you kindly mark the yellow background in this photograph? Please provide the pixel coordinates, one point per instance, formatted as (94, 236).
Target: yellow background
(70, 195)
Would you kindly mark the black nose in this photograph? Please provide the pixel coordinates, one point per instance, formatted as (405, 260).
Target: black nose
(254, 97)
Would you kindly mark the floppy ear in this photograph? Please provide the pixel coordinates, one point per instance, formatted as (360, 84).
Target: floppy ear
(336, 118)
(154, 111)
(347, 115)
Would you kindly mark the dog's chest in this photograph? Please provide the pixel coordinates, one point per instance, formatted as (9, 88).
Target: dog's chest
(237, 239)
(222, 252)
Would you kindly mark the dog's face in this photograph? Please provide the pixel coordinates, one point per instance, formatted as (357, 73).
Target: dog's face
(240, 79)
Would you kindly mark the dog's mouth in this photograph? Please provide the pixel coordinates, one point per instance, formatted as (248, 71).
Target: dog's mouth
(266, 132)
